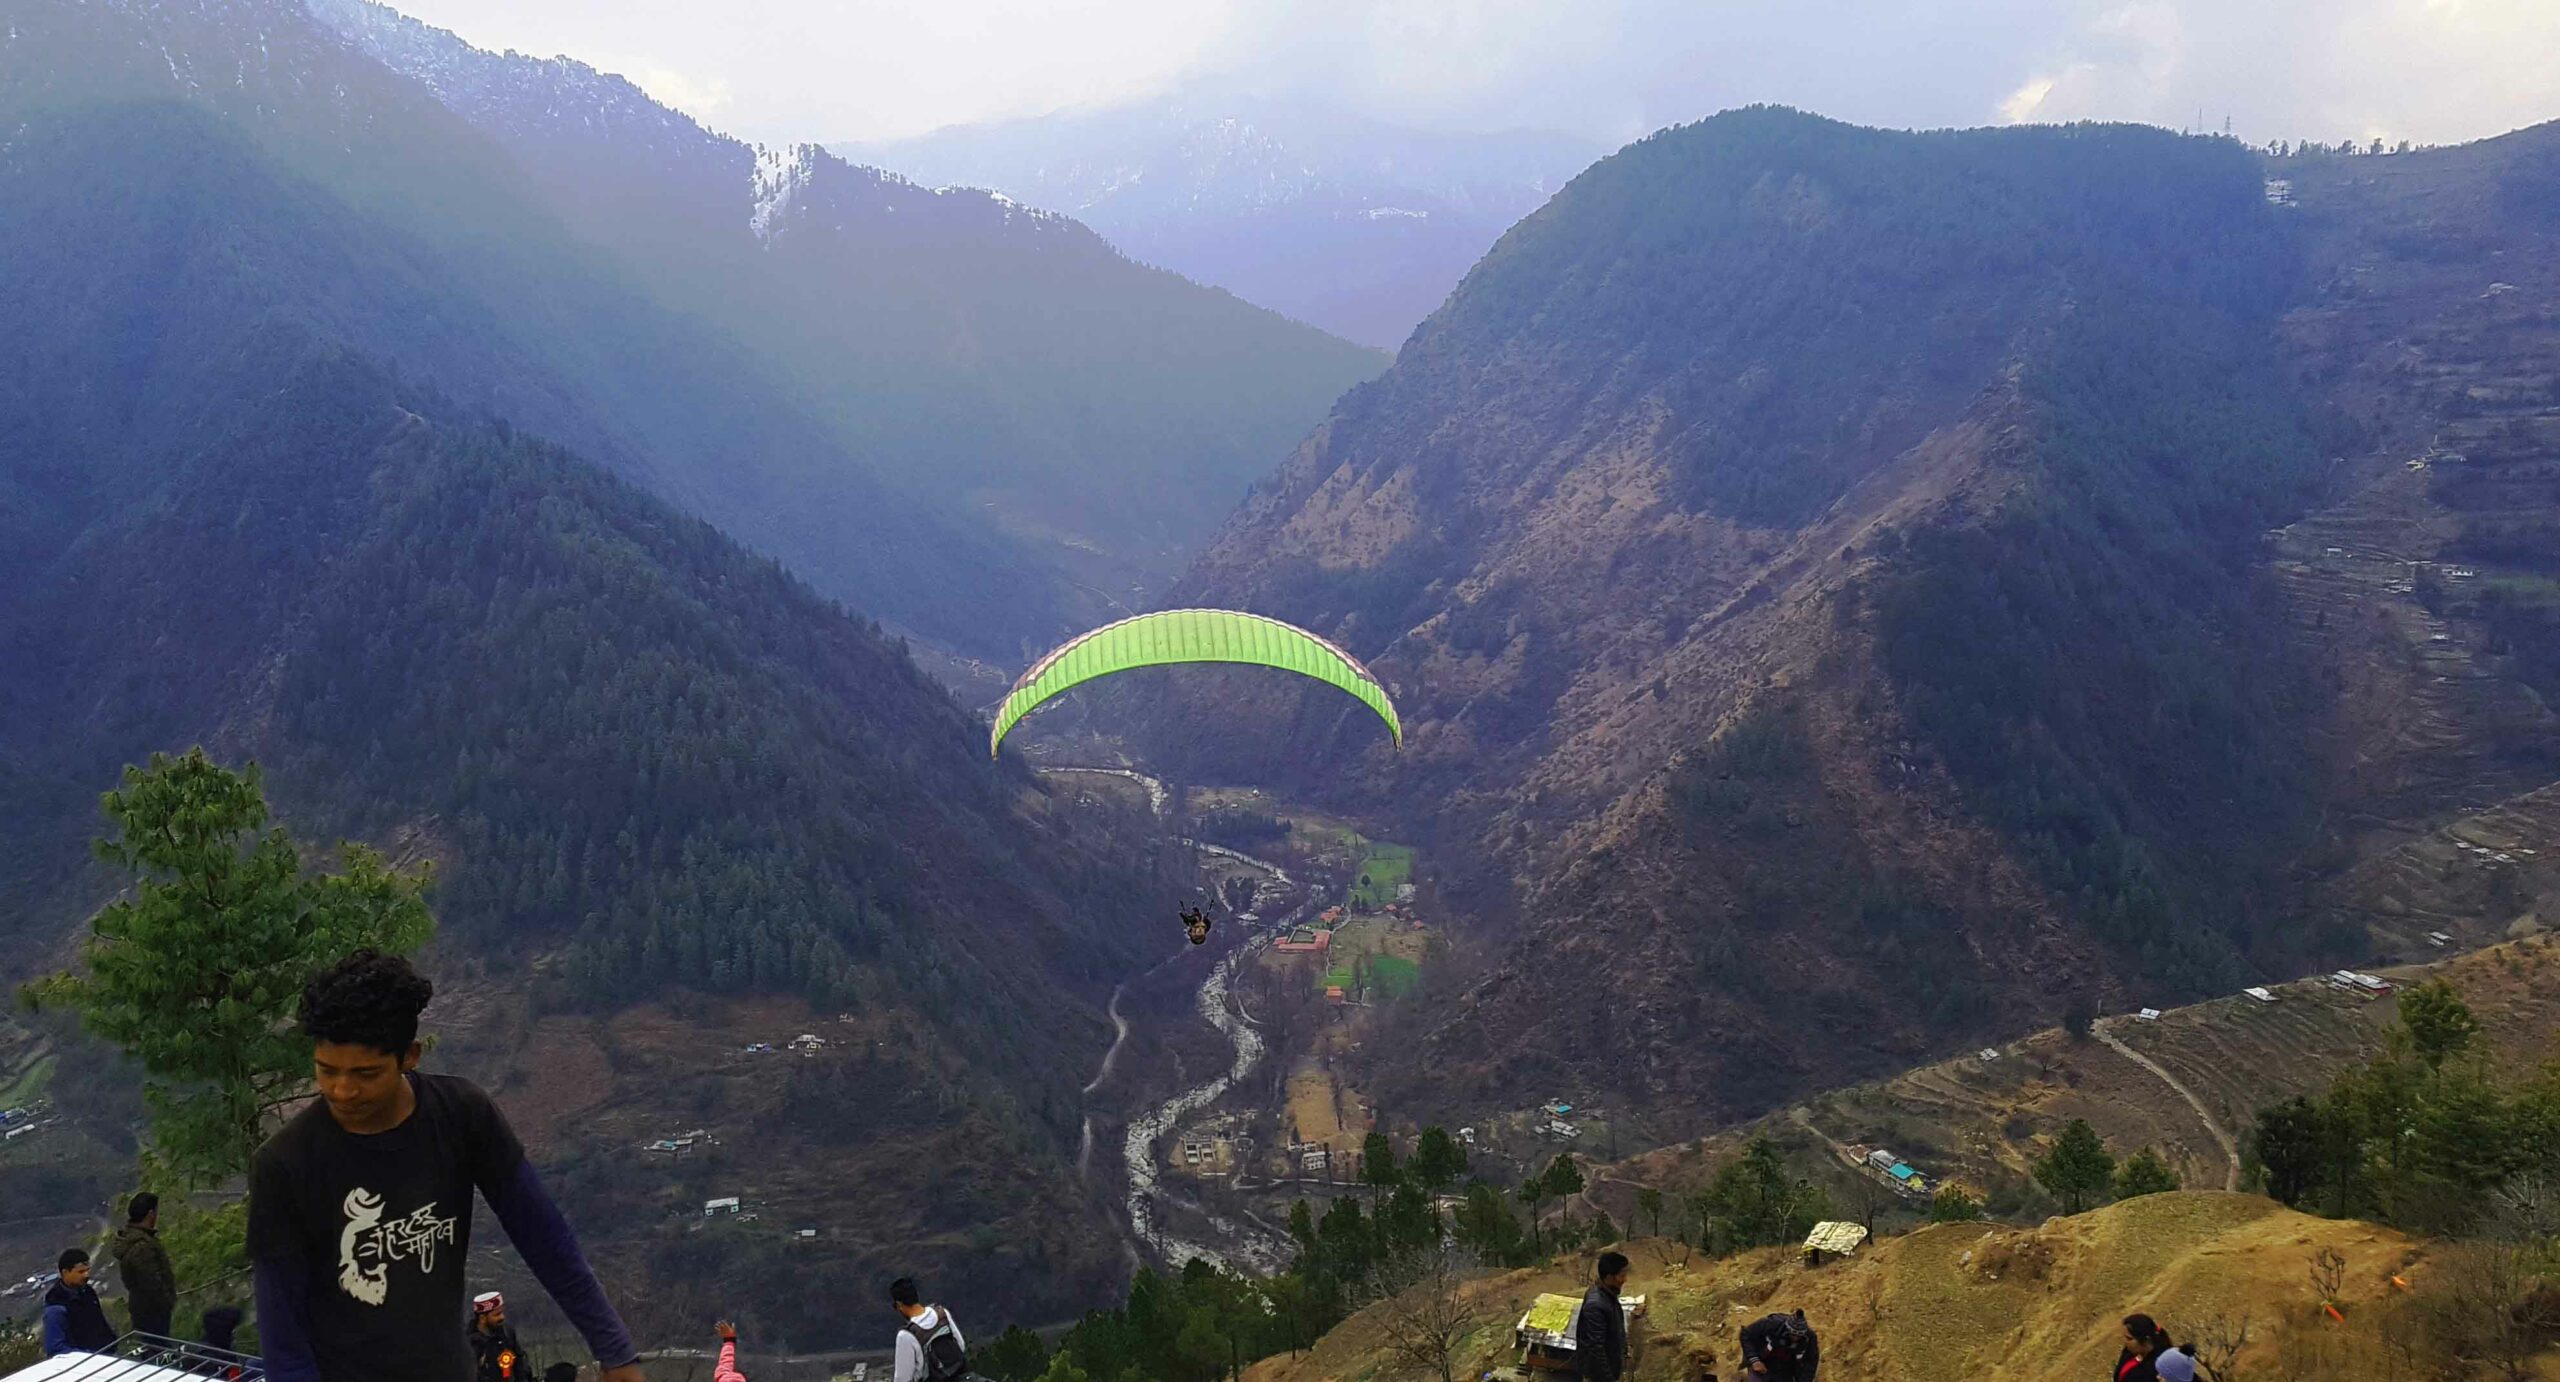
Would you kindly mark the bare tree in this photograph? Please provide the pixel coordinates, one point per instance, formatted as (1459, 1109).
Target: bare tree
(2489, 1307)
(2526, 1209)
(1424, 1308)
(2328, 1275)
(2217, 1342)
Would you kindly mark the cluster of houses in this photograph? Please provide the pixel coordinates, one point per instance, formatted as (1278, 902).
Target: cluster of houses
(2486, 855)
(807, 1044)
(1557, 1126)
(681, 1144)
(19, 1122)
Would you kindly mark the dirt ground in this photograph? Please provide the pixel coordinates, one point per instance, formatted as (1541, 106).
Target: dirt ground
(1324, 1110)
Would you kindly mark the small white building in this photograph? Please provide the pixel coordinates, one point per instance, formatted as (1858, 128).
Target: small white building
(2261, 994)
(712, 1209)
(1882, 1160)
(1989, 1054)
(2147, 1015)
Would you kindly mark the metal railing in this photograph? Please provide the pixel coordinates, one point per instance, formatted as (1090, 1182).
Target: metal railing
(176, 1355)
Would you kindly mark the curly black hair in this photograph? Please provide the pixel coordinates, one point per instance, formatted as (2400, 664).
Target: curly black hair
(368, 999)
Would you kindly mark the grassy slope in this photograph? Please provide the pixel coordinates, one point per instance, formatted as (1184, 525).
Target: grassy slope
(1956, 1300)
(1982, 1124)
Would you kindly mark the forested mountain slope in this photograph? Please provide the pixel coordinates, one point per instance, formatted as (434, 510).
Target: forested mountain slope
(1827, 571)
(647, 763)
(990, 358)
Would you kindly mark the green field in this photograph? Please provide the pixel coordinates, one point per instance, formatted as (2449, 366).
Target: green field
(1393, 976)
(30, 1085)
(1387, 868)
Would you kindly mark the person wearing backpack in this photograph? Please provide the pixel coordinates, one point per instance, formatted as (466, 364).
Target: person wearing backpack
(930, 1348)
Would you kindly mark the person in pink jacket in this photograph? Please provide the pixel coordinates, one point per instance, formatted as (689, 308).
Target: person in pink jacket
(726, 1370)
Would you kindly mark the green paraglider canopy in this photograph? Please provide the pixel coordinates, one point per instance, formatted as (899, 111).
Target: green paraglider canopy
(1189, 635)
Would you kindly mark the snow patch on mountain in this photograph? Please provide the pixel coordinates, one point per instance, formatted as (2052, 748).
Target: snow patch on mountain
(779, 176)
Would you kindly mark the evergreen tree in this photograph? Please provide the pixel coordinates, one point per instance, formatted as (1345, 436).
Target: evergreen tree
(1438, 1160)
(1564, 1181)
(196, 974)
(1649, 1204)
(1017, 1355)
(1753, 1203)
(2077, 1168)
(1487, 1227)
(2439, 1023)
(2289, 1148)
(1533, 1192)
(1952, 1206)
(2144, 1173)
(1378, 1162)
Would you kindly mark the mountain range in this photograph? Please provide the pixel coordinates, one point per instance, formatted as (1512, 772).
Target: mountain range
(996, 362)
(1351, 224)
(326, 444)
(1924, 577)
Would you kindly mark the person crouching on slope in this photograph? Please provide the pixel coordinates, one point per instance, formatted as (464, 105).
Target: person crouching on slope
(930, 1348)
(360, 1206)
(1781, 1348)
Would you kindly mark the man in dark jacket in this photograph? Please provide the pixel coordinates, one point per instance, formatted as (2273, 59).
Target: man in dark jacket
(150, 1283)
(84, 1320)
(1600, 1326)
(1781, 1348)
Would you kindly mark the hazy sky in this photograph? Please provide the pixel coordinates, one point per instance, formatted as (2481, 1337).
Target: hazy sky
(2435, 71)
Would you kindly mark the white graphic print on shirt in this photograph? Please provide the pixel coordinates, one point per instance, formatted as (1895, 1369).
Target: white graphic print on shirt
(368, 1246)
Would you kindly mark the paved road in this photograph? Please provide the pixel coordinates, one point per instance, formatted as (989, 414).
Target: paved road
(2230, 1149)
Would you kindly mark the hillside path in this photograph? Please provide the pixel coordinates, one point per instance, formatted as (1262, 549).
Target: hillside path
(2230, 1149)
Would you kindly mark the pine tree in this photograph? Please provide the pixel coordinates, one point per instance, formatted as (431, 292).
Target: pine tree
(2144, 1173)
(1438, 1161)
(2077, 1168)
(196, 975)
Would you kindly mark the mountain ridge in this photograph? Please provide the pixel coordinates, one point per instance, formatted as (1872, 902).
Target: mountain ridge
(1355, 225)
(995, 361)
(1829, 563)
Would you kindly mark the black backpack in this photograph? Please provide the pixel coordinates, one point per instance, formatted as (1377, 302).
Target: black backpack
(944, 1359)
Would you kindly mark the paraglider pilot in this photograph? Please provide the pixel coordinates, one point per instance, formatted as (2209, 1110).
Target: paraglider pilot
(1196, 921)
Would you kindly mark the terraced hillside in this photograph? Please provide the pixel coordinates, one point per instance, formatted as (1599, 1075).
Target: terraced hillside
(2430, 585)
(1982, 1122)
(1951, 1300)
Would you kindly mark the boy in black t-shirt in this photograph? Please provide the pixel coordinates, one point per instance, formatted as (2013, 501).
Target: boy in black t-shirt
(360, 1207)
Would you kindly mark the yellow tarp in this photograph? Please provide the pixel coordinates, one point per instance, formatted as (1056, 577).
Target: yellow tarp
(1550, 1314)
(1836, 1235)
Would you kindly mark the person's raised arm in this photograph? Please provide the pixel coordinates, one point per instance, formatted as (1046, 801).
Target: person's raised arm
(726, 1370)
(545, 1241)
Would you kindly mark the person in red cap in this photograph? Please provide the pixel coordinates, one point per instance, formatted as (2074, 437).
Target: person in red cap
(498, 1357)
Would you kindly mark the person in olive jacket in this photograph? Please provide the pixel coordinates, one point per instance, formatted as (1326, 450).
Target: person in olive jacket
(150, 1283)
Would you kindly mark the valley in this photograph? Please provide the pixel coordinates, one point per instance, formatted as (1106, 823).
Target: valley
(1888, 654)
